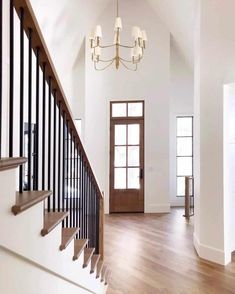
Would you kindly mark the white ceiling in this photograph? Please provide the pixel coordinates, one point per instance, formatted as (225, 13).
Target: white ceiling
(73, 19)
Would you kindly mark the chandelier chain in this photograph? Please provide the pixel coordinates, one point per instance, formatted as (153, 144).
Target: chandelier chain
(117, 8)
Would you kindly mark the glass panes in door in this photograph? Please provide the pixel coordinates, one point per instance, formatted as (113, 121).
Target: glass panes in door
(127, 156)
(127, 109)
(184, 151)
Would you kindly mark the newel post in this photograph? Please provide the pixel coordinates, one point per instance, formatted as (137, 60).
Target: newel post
(101, 226)
(187, 197)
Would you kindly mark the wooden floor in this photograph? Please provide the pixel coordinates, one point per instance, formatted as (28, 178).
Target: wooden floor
(151, 254)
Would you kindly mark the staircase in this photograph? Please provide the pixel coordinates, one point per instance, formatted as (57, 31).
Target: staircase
(51, 206)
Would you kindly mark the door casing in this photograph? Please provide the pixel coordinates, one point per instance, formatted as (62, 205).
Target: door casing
(127, 202)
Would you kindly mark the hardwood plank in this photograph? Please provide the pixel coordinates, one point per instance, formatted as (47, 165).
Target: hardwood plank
(88, 252)
(154, 253)
(27, 199)
(99, 268)
(51, 220)
(79, 246)
(94, 261)
(11, 162)
(68, 234)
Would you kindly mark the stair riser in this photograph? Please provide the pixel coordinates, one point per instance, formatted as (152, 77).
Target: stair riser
(7, 191)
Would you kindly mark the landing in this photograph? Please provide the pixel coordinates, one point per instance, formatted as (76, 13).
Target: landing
(151, 254)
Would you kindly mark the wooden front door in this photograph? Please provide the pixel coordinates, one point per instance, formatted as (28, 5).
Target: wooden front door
(127, 157)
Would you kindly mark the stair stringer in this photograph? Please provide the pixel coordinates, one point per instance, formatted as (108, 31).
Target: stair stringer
(21, 240)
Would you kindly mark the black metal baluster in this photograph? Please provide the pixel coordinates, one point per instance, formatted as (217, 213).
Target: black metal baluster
(77, 189)
(36, 166)
(84, 197)
(94, 218)
(88, 200)
(30, 111)
(85, 203)
(63, 164)
(54, 153)
(71, 179)
(11, 80)
(59, 159)
(80, 197)
(21, 97)
(43, 124)
(1, 28)
(90, 212)
(67, 174)
(74, 181)
(97, 220)
(49, 144)
(93, 215)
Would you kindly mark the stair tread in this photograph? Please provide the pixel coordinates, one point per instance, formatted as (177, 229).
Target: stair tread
(94, 261)
(88, 252)
(51, 220)
(11, 162)
(79, 245)
(99, 268)
(104, 272)
(68, 235)
(27, 199)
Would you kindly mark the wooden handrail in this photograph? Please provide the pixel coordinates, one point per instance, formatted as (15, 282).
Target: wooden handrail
(38, 42)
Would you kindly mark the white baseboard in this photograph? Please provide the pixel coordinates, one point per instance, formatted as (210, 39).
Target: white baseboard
(211, 253)
(158, 208)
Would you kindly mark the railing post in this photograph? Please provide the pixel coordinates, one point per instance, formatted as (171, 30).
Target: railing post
(1, 47)
(187, 197)
(101, 226)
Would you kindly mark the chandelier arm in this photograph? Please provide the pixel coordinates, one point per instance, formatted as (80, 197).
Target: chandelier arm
(125, 60)
(131, 69)
(126, 46)
(101, 69)
(131, 61)
(103, 47)
(110, 60)
(107, 46)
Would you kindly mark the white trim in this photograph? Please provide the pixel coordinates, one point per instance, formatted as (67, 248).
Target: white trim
(210, 253)
(157, 208)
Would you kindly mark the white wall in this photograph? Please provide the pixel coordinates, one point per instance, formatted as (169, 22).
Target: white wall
(215, 66)
(20, 276)
(78, 87)
(149, 83)
(229, 168)
(181, 103)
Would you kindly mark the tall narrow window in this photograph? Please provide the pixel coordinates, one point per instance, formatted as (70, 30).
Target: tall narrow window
(184, 151)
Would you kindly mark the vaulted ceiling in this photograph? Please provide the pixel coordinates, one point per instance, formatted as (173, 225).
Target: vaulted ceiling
(74, 19)
(178, 15)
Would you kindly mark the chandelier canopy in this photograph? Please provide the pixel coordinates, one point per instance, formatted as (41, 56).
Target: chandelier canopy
(136, 50)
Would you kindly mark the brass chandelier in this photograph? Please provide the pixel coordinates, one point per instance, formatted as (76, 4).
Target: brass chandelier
(137, 49)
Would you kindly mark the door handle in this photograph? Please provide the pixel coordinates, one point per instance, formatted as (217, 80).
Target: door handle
(141, 173)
